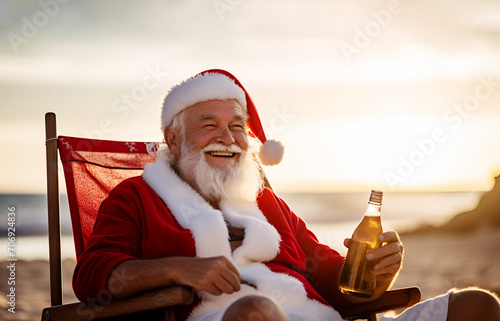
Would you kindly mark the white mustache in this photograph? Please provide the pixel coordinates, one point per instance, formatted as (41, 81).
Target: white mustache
(222, 148)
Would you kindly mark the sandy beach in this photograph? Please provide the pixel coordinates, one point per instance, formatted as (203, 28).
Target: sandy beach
(434, 261)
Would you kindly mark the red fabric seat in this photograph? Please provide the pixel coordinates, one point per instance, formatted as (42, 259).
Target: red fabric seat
(92, 168)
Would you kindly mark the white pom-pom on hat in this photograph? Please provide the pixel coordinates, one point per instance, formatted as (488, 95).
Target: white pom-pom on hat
(218, 84)
(271, 152)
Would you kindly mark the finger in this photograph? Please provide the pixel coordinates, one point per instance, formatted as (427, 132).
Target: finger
(389, 236)
(387, 271)
(232, 280)
(231, 275)
(394, 259)
(215, 290)
(386, 250)
(227, 277)
(224, 286)
(214, 275)
(346, 242)
(217, 284)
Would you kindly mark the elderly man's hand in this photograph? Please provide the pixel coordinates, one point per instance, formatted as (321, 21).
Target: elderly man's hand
(388, 258)
(215, 275)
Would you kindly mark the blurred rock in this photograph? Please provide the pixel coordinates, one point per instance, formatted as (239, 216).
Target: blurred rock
(486, 214)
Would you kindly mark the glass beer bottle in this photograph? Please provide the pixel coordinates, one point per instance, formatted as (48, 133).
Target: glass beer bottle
(356, 278)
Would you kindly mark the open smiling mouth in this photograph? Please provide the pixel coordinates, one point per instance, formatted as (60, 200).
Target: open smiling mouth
(221, 154)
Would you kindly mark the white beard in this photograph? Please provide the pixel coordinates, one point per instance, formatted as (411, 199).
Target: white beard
(242, 182)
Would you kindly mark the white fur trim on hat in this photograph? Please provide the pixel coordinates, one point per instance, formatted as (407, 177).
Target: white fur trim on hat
(203, 87)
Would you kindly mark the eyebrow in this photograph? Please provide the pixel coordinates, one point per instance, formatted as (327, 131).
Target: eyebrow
(207, 117)
(212, 116)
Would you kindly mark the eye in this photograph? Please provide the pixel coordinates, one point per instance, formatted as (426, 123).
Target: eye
(239, 126)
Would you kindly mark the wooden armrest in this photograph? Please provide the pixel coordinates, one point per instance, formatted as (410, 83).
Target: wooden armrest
(171, 296)
(180, 295)
(391, 300)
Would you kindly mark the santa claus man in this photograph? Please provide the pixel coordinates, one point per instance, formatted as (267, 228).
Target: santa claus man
(200, 216)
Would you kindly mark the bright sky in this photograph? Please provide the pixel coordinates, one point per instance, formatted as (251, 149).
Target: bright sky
(397, 95)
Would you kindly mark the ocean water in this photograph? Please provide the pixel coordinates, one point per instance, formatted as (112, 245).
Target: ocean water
(332, 216)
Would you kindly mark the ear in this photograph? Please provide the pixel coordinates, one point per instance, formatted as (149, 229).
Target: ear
(173, 139)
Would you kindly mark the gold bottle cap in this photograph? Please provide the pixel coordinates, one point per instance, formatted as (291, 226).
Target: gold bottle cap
(376, 196)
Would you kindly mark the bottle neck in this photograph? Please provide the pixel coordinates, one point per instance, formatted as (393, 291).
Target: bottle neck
(373, 209)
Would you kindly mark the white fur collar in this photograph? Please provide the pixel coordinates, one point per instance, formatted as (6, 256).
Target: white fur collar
(208, 225)
(261, 244)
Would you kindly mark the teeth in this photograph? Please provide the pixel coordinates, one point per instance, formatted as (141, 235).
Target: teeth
(225, 154)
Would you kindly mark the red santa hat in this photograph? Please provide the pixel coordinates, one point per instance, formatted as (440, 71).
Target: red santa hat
(218, 84)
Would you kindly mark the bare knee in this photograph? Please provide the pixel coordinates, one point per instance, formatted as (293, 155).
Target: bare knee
(255, 308)
(473, 304)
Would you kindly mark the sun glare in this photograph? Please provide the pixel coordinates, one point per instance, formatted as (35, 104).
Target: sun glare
(401, 153)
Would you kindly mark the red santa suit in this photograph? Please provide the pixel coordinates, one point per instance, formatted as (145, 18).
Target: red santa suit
(159, 215)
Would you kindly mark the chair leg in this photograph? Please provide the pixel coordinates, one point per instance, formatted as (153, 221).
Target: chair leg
(169, 315)
(372, 317)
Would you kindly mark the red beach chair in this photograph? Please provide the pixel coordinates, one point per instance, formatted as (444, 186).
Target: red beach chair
(91, 169)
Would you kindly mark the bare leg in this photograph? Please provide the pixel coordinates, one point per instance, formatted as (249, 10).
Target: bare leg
(473, 304)
(255, 308)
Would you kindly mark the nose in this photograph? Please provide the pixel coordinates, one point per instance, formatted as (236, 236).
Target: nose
(224, 136)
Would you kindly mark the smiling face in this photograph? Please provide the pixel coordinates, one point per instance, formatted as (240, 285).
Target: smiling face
(219, 122)
(214, 133)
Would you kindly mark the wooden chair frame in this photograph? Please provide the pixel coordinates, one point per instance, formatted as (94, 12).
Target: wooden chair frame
(162, 298)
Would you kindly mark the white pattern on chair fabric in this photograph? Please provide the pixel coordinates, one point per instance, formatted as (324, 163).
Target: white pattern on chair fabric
(131, 146)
